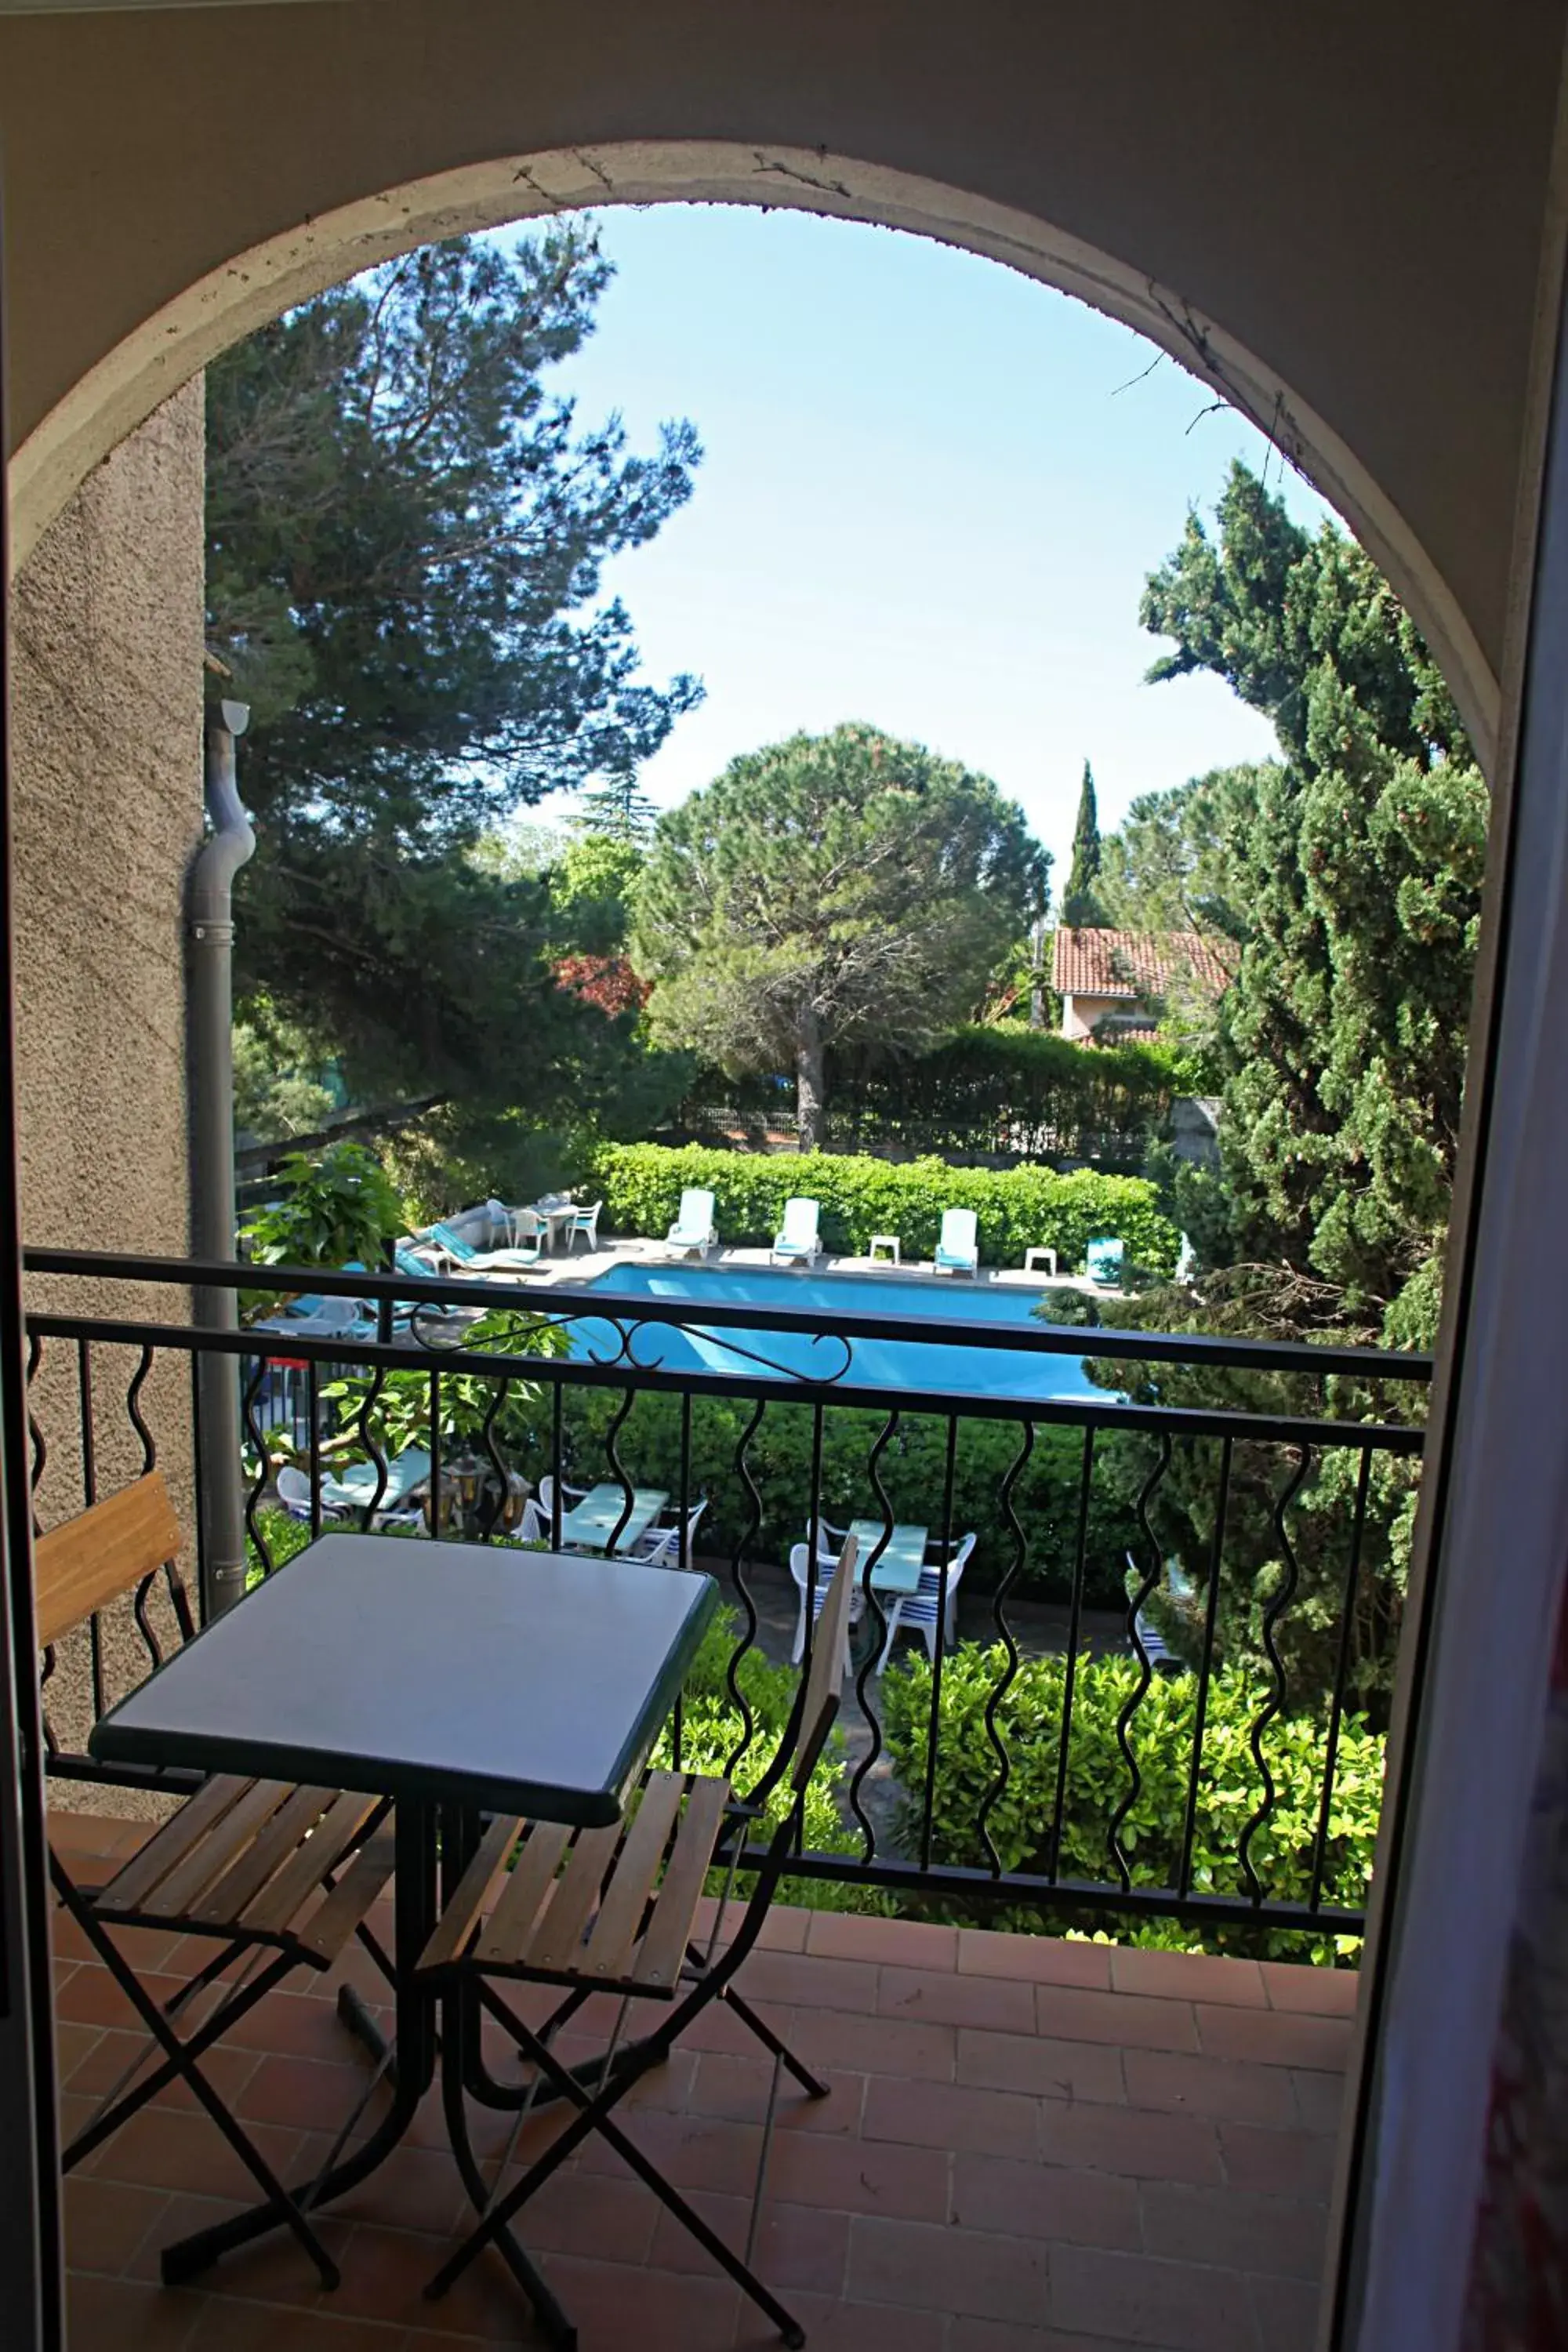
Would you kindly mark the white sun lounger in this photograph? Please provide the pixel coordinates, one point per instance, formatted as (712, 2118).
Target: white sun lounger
(798, 1239)
(694, 1228)
(957, 1251)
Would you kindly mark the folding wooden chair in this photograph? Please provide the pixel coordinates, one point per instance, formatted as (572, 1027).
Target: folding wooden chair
(286, 1874)
(613, 1910)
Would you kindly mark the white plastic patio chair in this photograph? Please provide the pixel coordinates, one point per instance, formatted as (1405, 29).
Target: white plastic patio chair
(585, 1222)
(661, 1547)
(800, 1569)
(798, 1237)
(694, 1228)
(917, 1612)
(957, 1251)
(294, 1493)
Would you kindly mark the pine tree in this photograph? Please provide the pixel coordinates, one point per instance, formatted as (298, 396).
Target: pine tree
(1081, 910)
(617, 809)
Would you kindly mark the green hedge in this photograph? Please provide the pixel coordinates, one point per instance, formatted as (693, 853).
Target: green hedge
(1029, 1722)
(1022, 1090)
(1017, 1208)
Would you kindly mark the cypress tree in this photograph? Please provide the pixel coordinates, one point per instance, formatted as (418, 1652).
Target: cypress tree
(1081, 910)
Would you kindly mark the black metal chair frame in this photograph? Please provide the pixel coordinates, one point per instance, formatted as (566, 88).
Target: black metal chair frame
(710, 1979)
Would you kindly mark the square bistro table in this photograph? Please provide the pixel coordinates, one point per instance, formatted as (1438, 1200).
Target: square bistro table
(454, 1678)
(592, 1522)
(899, 1570)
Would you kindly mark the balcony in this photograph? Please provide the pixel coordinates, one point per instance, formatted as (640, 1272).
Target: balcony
(1074, 2146)
(1031, 2146)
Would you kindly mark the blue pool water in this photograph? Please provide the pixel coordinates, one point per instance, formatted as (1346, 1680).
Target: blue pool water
(920, 1361)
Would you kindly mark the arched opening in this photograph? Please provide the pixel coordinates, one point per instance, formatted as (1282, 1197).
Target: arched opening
(165, 350)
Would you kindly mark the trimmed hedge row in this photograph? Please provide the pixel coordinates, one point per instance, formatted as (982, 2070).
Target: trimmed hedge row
(1017, 1208)
(1023, 1090)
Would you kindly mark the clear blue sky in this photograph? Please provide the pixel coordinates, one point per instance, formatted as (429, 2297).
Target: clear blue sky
(924, 502)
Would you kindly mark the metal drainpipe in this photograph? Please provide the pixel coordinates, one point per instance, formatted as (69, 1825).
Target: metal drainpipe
(220, 1477)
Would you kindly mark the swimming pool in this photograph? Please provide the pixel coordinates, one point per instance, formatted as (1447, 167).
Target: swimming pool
(917, 1363)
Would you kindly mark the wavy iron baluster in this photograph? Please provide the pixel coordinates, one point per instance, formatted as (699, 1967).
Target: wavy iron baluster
(487, 1439)
(39, 1442)
(879, 1632)
(1206, 1666)
(743, 1471)
(257, 1436)
(933, 1727)
(376, 1451)
(1341, 1675)
(1146, 1671)
(133, 1410)
(1272, 1616)
(613, 1456)
(1070, 1665)
(1004, 1631)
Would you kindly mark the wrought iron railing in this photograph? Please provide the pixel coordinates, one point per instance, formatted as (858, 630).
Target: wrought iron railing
(1252, 1487)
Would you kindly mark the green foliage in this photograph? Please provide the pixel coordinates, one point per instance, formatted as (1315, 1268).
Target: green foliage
(1261, 1302)
(1029, 1719)
(988, 1089)
(1017, 1207)
(713, 1738)
(830, 891)
(282, 1080)
(407, 538)
(1356, 868)
(1081, 908)
(335, 1209)
(1168, 867)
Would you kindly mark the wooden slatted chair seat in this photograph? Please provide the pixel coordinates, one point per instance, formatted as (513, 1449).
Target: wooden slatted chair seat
(604, 1910)
(591, 1908)
(287, 1873)
(248, 1859)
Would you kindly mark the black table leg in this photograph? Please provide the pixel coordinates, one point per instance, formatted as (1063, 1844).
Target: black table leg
(416, 1914)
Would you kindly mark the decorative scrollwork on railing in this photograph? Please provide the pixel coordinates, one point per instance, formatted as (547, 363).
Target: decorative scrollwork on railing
(1280, 1600)
(865, 1571)
(1137, 1602)
(610, 1341)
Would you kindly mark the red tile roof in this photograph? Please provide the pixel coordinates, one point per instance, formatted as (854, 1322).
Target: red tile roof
(1134, 964)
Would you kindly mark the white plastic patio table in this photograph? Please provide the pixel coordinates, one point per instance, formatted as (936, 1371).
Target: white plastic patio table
(593, 1521)
(899, 1570)
(455, 1678)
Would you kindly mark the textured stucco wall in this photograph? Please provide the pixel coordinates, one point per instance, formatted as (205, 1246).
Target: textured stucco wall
(106, 705)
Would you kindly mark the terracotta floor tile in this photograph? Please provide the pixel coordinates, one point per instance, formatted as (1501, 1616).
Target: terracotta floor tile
(116, 2316)
(173, 2147)
(1178, 2305)
(1138, 2141)
(998, 2335)
(605, 2215)
(1037, 1960)
(106, 2221)
(615, 2306)
(804, 1980)
(313, 2092)
(273, 2268)
(90, 1996)
(1188, 1976)
(227, 2070)
(1129, 2019)
(738, 2088)
(1046, 2201)
(798, 2246)
(849, 2326)
(386, 2273)
(873, 2045)
(1325, 1992)
(886, 2176)
(692, 2151)
(1273, 2039)
(415, 2189)
(1319, 2099)
(944, 1998)
(930, 2269)
(1189, 2084)
(1286, 2314)
(906, 1943)
(228, 2325)
(1043, 2066)
(951, 2116)
(1278, 2236)
(1277, 2163)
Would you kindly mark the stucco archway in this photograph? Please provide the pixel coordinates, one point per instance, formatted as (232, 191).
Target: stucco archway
(142, 371)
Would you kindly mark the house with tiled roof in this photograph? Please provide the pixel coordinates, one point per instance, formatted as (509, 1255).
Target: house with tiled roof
(1112, 982)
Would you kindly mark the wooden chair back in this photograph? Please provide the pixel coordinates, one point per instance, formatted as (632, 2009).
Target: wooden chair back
(101, 1553)
(820, 1704)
